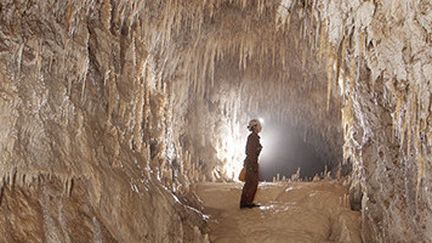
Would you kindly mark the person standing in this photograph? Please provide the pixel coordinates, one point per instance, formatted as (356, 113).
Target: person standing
(253, 149)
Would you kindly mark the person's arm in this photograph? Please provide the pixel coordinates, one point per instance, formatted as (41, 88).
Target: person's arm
(253, 147)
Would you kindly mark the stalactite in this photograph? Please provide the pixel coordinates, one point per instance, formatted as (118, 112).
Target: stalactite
(69, 15)
(342, 63)
(412, 121)
(106, 10)
(83, 68)
(19, 59)
(323, 35)
(331, 65)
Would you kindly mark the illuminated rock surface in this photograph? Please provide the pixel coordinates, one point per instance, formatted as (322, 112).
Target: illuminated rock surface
(110, 110)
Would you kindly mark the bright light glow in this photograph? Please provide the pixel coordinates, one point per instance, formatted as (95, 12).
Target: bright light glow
(269, 141)
(261, 120)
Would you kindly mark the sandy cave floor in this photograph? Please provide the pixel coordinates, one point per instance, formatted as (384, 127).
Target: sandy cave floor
(289, 212)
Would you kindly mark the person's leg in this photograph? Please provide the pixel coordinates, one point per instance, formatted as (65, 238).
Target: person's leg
(244, 200)
(249, 189)
(253, 186)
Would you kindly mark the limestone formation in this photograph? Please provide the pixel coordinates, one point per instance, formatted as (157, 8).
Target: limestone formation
(111, 110)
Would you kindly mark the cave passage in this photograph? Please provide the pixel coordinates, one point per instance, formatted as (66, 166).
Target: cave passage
(285, 151)
(125, 121)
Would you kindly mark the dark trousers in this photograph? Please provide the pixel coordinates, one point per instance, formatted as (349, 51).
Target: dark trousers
(250, 186)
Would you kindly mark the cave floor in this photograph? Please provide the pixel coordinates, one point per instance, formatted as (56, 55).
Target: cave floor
(289, 212)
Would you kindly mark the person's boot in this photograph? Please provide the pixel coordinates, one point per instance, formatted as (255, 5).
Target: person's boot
(254, 205)
(244, 206)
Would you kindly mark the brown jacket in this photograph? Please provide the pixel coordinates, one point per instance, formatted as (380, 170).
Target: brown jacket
(253, 149)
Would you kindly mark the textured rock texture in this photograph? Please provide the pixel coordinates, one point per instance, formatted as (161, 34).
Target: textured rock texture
(84, 129)
(114, 105)
(385, 66)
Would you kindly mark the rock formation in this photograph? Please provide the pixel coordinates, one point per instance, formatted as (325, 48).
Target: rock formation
(110, 110)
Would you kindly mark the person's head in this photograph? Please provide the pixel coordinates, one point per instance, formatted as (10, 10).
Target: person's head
(254, 126)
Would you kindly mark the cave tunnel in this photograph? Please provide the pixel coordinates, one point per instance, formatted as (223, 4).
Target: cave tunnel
(287, 150)
(126, 121)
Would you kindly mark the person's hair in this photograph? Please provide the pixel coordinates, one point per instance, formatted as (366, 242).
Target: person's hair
(252, 124)
(251, 128)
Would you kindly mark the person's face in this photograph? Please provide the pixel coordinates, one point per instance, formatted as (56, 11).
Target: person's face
(258, 128)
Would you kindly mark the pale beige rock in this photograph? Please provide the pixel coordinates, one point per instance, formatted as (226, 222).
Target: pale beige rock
(130, 92)
(289, 212)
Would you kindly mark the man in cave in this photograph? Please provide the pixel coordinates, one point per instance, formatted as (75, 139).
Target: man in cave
(253, 149)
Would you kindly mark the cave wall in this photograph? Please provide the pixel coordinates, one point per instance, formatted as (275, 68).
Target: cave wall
(157, 93)
(86, 140)
(381, 60)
